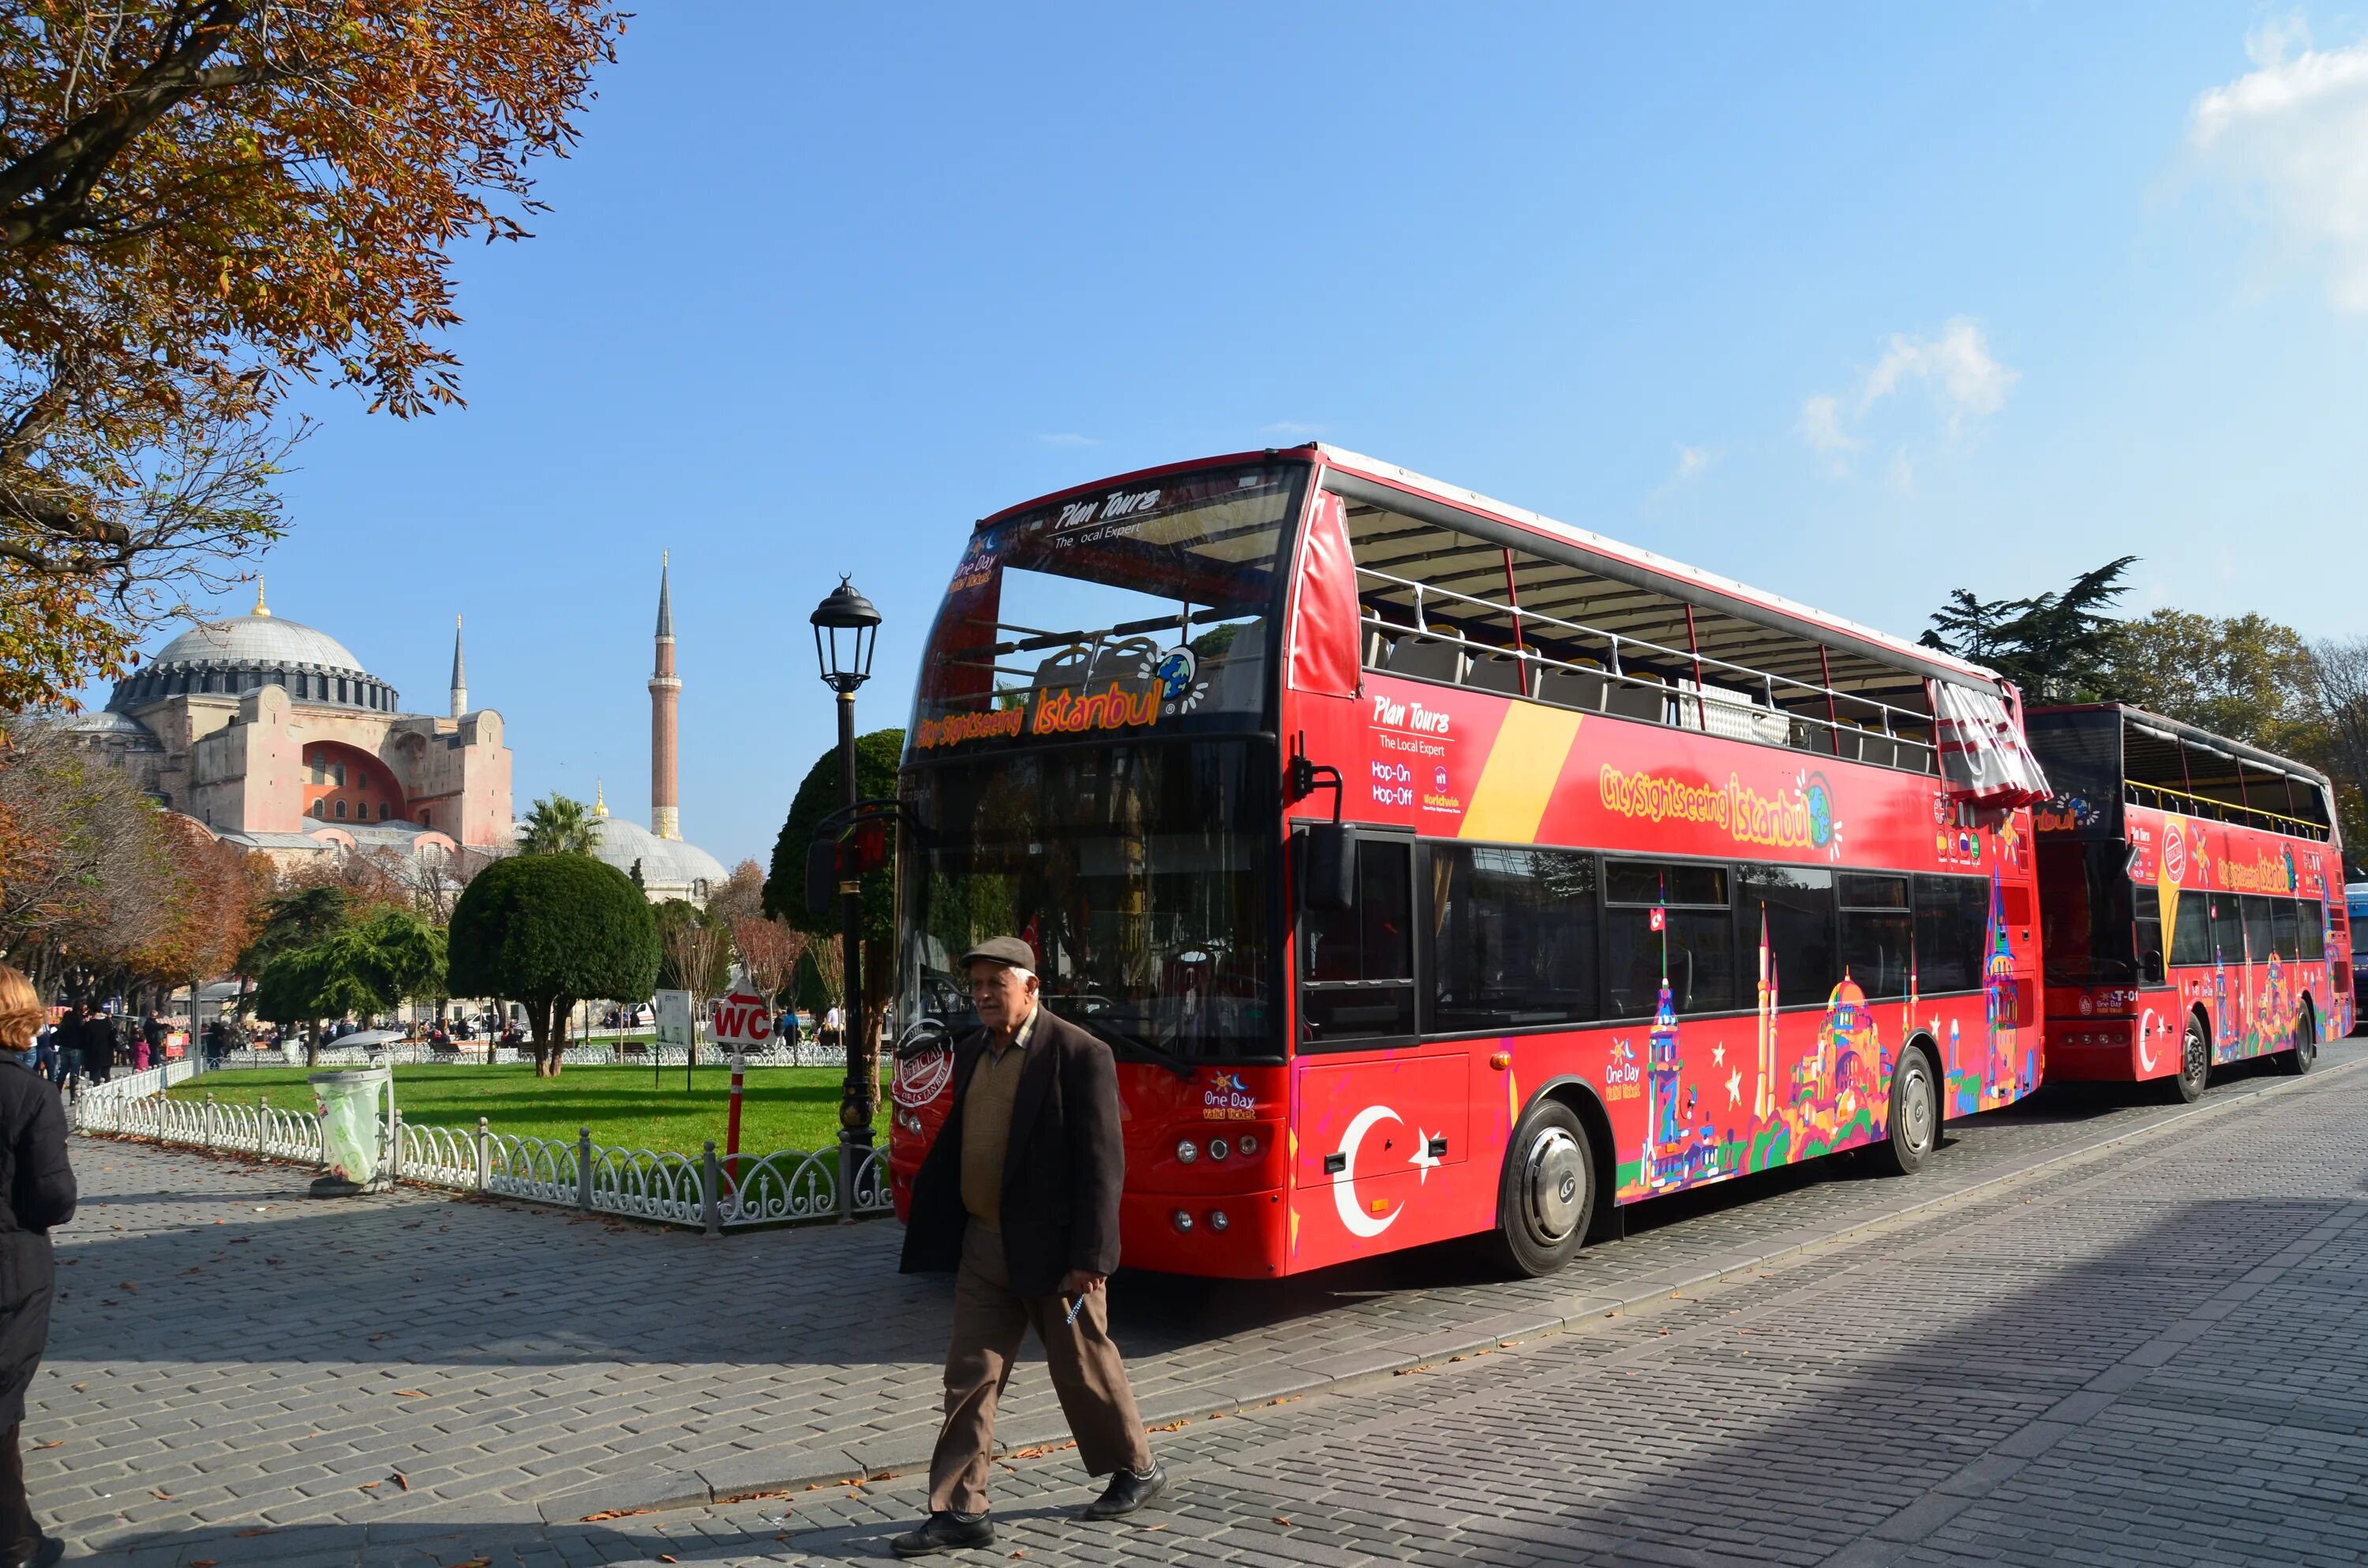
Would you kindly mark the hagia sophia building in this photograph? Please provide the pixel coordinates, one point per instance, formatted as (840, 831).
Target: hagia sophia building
(271, 734)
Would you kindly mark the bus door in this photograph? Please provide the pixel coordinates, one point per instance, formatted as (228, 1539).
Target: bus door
(1379, 1149)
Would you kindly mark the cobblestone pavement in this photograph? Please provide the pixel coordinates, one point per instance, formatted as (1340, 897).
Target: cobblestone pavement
(2093, 1330)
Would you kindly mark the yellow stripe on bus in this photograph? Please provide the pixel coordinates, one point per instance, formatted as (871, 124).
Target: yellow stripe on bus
(1511, 798)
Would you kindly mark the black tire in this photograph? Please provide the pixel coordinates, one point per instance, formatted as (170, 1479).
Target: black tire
(1546, 1196)
(2194, 1065)
(2304, 1055)
(1914, 1124)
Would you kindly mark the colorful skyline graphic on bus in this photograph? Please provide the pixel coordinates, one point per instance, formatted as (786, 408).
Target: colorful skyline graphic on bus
(1818, 1083)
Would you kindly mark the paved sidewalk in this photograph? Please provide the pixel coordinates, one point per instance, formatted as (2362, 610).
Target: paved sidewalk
(242, 1377)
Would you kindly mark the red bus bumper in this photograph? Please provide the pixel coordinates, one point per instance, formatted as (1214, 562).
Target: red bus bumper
(1252, 1246)
(2107, 1050)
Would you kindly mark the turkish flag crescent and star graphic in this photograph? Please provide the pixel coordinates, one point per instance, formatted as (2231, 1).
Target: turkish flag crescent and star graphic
(1660, 918)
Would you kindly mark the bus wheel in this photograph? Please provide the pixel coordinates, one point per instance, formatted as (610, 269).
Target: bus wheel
(2194, 1064)
(1915, 1117)
(1547, 1194)
(2304, 1055)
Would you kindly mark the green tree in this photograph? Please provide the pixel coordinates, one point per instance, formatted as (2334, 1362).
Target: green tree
(694, 949)
(877, 755)
(552, 930)
(2246, 677)
(2056, 646)
(293, 920)
(559, 825)
(360, 967)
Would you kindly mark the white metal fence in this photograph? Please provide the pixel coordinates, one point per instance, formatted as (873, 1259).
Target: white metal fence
(806, 1053)
(709, 1190)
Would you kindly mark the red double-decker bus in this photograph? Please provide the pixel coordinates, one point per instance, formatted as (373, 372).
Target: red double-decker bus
(2190, 901)
(1436, 869)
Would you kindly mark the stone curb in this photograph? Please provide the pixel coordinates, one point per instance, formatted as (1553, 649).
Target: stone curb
(889, 1458)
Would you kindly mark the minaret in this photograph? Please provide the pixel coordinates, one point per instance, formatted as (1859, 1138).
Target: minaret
(459, 674)
(665, 686)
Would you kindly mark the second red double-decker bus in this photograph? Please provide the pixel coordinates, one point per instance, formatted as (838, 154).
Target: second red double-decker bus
(2190, 901)
(1435, 869)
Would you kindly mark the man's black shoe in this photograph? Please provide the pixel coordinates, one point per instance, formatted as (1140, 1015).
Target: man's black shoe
(1127, 1491)
(945, 1532)
(43, 1554)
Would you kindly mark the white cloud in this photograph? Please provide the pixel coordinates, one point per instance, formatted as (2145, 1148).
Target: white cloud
(1821, 426)
(1693, 464)
(1956, 368)
(1968, 378)
(2293, 135)
(1068, 438)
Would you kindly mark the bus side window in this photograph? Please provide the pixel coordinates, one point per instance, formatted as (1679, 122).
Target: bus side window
(1953, 917)
(1878, 932)
(2192, 943)
(1356, 965)
(2260, 933)
(2312, 943)
(1694, 952)
(2227, 929)
(2285, 929)
(2145, 904)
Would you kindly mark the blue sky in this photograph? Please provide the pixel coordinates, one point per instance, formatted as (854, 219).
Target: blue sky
(1858, 304)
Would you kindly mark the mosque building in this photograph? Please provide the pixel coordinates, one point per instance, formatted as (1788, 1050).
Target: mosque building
(666, 864)
(271, 733)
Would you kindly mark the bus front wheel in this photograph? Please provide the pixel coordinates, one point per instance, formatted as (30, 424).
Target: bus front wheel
(2194, 1064)
(2304, 1055)
(1915, 1124)
(1546, 1196)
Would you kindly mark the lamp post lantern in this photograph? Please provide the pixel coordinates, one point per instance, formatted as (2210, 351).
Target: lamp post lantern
(846, 630)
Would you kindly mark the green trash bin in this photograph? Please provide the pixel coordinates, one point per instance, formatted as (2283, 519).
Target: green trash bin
(357, 1109)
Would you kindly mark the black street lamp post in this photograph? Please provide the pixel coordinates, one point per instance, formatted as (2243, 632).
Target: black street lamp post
(845, 629)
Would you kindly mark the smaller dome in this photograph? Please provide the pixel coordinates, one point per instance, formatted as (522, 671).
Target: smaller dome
(670, 867)
(261, 639)
(106, 721)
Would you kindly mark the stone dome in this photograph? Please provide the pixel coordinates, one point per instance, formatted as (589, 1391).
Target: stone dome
(238, 654)
(259, 639)
(671, 868)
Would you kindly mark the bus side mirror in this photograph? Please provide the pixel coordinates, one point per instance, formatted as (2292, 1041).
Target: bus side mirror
(822, 875)
(1328, 867)
(2153, 962)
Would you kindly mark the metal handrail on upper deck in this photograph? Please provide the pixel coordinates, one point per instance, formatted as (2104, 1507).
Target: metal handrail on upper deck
(1703, 696)
(2223, 811)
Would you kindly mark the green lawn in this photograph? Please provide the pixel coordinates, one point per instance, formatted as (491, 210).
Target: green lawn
(783, 1108)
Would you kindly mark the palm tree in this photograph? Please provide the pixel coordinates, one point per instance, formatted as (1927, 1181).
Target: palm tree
(558, 826)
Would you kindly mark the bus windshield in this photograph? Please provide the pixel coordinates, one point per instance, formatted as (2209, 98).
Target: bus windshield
(1140, 874)
(1142, 606)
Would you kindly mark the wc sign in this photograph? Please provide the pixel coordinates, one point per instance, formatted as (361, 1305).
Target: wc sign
(740, 1022)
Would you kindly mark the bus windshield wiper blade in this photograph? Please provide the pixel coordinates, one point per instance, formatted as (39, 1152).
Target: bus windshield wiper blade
(1120, 1038)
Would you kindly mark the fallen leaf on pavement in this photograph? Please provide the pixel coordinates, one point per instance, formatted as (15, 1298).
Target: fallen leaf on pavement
(403, 1481)
(1281, 1520)
(409, 1393)
(370, 1486)
(160, 1496)
(54, 1442)
(202, 1563)
(607, 1514)
(80, 1387)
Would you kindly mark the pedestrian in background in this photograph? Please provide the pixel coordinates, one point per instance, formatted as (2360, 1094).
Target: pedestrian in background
(1018, 1195)
(148, 1046)
(45, 1052)
(98, 1048)
(69, 1033)
(37, 1181)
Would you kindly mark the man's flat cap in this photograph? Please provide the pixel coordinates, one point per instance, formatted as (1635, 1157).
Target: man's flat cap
(1008, 950)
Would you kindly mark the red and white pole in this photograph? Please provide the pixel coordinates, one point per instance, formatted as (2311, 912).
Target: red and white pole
(732, 1130)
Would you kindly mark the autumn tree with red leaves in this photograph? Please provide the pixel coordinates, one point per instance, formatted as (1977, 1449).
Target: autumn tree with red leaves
(202, 201)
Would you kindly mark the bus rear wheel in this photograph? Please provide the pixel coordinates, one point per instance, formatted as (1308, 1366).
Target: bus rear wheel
(2194, 1064)
(1546, 1195)
(1915, 1122)
(2304, 1055)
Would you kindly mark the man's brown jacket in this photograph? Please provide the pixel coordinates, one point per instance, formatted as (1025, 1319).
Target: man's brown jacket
(1062, 1172)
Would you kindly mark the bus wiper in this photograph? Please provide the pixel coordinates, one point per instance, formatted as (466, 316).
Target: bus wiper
(1123, 1040)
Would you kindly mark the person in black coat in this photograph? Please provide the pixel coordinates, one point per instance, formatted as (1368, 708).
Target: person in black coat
(1020, 1196)
(98, 1048)
(39, 1186)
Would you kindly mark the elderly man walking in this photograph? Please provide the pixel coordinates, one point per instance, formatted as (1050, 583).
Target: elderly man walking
(1018, 1195)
